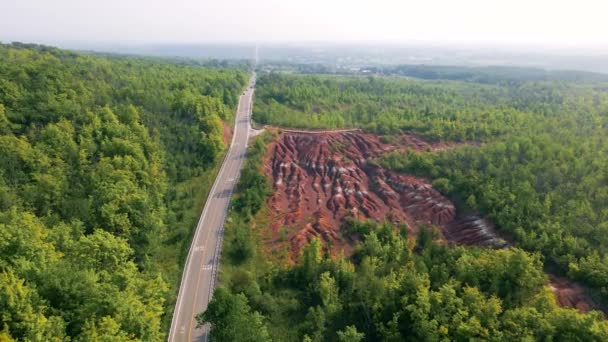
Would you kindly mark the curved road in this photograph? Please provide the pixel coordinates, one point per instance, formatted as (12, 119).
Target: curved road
(200, 271)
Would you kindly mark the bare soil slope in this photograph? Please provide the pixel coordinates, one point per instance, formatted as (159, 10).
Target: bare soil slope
(320, 179)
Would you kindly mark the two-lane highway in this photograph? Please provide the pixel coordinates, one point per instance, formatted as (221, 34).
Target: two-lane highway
(200, 272)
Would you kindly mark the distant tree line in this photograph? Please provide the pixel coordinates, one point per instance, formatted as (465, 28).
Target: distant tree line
(504, 75)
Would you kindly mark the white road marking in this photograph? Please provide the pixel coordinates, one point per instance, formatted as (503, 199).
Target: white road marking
(207, 267)
(199, 248)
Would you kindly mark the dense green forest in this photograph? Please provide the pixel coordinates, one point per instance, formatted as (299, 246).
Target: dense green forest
(447, 110)
(104, 163)
(394, 287)
(476, 74)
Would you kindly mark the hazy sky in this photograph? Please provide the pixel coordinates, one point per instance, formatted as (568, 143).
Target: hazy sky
(528, 22)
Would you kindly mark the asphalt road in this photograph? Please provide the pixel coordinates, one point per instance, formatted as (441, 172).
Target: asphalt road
(200, 271)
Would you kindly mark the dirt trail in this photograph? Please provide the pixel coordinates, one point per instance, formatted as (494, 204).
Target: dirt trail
(321, 178)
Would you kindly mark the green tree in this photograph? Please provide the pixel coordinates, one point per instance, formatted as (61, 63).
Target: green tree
(350, 334)
(231, 318)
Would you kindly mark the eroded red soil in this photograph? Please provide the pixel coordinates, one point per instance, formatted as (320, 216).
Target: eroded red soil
(571, 295)
(473, 230)
(319, 179)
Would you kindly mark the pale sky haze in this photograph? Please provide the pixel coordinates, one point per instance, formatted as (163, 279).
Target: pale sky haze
(525, 22)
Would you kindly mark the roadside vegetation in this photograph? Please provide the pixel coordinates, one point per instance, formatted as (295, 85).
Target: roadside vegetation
(243, 259)
(104, 165)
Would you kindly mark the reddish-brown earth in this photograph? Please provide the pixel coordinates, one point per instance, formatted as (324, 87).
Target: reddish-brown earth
(321, 178)
(473, 230)
(572, 295)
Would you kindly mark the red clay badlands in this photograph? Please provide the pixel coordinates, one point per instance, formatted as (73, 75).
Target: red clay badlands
(319, 179)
